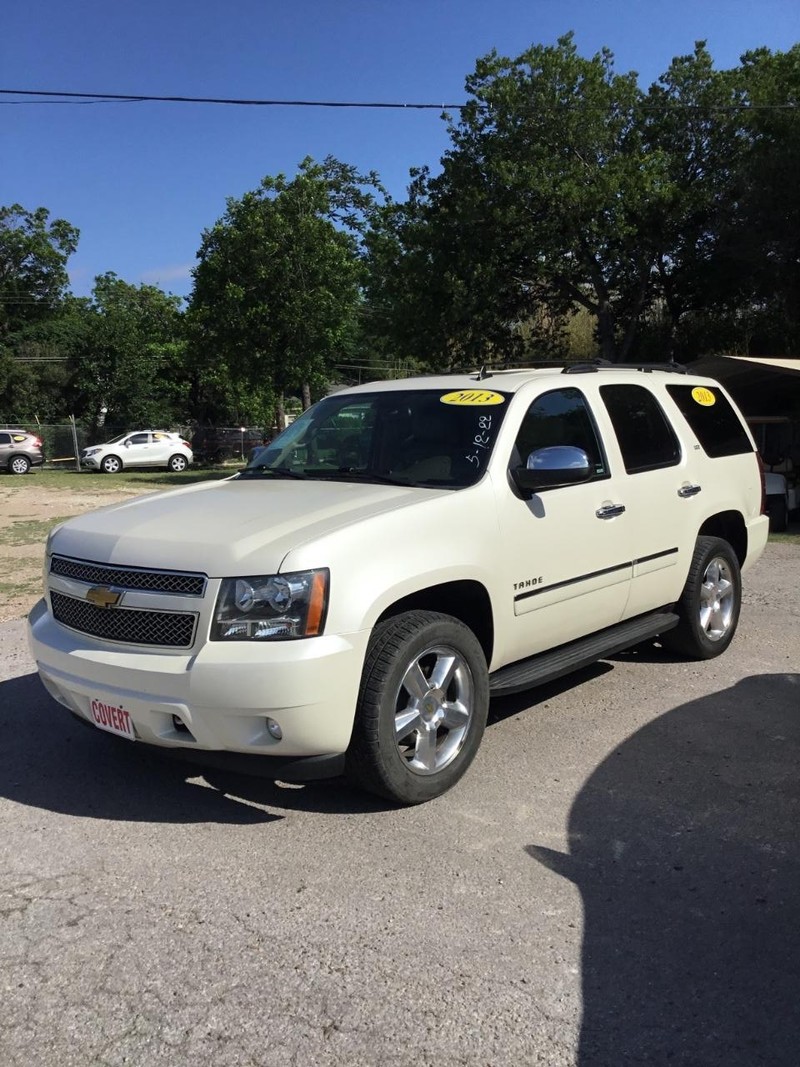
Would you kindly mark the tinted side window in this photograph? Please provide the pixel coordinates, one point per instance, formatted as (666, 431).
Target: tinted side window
(5, 438)
(646, 439)
(139, 439)
(715, 423)
(560, 417)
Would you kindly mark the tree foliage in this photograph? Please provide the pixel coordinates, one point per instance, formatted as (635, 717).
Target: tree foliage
(568, 187)
(128, 358)
(277, 289)
(33, 258)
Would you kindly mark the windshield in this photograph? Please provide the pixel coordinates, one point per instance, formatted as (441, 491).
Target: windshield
(420, 437)
(116, 440)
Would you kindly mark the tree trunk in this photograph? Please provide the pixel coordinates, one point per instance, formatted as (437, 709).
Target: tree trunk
(306, 393)
(605, 332)
(280, 414)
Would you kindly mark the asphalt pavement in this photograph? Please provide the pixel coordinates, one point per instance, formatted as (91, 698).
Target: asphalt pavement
(616, 881)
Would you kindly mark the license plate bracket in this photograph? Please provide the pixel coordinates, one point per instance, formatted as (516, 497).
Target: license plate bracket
(112, 717)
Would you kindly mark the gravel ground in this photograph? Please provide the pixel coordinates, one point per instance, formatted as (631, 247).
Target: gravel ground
(616, 881)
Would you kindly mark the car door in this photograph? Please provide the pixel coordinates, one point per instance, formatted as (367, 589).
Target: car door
(138, 450)
(5, 449)
(161, 447)
(661, 499)
(565, 552)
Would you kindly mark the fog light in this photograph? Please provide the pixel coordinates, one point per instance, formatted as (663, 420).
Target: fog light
(274, 730)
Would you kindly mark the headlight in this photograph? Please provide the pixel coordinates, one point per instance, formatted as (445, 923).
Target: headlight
(271, 607)
(90, 451)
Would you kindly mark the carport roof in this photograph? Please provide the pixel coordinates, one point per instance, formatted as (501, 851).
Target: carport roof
(759, 386)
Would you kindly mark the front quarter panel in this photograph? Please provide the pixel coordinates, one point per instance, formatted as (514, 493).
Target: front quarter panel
(376, 562)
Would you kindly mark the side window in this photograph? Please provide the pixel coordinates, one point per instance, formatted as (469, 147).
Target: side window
(5, 438)
(646, 438)
(715, 423)
(560, 417)
(139, 439)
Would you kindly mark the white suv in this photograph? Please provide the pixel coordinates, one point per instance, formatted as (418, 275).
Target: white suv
(139, 448)
(404, 550)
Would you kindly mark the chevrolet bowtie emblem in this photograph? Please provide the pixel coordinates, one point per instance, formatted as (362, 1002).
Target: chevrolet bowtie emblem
(103, 597)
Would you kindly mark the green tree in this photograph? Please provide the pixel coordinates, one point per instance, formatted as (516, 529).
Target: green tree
(277, 289)
(762, 244)
(33, 265)
(542, 205)
(129, 363)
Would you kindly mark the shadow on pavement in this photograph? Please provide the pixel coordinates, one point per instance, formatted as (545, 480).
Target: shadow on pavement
(49, 760)
(684, 844)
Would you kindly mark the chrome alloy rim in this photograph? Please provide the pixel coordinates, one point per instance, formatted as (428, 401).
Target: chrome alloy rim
(433, 709)
(717, 599)
(19, 466)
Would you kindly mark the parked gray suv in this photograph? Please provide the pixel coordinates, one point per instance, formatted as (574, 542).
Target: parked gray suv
(19, 451)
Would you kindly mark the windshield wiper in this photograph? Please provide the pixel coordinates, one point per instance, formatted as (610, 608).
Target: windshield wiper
(357, 474)
(261, 470)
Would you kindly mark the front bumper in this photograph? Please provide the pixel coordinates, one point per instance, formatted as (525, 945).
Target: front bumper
(216, 699)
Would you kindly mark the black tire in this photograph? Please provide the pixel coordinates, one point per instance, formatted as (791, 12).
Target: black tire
(778, 514)
(177, 463)
(433, 753)
(710, 603)
(111, 465)
(19, 465)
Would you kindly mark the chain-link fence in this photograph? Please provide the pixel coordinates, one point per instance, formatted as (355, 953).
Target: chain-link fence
(210, 444)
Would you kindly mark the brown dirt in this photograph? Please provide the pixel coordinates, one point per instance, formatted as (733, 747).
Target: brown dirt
(22, 543)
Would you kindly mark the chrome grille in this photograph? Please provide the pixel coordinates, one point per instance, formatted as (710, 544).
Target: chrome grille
(129, 578)
(165, 629)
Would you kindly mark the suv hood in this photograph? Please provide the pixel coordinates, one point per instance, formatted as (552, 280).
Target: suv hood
(226, 528)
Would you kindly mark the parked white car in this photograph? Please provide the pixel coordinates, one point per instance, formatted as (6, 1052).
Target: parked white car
(351, 599)
(139, 448)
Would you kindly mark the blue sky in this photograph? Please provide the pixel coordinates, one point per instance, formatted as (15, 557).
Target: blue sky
(142, 180)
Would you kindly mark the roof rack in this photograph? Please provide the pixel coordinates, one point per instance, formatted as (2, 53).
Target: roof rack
(572, 366)
(604, 364)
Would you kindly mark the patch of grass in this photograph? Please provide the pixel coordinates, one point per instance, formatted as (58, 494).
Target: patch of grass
(787, 538)
(29, 531)
(12, 589)
(93, 480)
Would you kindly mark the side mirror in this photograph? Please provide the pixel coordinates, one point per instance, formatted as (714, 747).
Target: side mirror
(550, 468)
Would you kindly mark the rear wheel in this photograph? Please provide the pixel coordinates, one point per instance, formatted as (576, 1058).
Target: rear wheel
(422, 707)
(177, 463)
(19, 465)
(111, 465)
(710, 603)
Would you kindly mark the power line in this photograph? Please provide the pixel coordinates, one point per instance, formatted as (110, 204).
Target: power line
(102, 98)
(49, 96)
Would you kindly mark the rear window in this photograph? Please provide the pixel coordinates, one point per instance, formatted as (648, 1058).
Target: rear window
(713, 419)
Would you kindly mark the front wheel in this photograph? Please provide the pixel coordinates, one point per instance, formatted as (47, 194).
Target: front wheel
(111, 465)
(422, 707)
(710, 603)
(177, 463)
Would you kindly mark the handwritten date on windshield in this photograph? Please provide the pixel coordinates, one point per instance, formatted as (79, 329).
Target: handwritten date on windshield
(481, 440)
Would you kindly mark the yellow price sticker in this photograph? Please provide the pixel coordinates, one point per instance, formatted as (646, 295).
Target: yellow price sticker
(473, 398)
(703, 396)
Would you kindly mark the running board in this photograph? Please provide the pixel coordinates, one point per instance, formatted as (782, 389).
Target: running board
(547, 666)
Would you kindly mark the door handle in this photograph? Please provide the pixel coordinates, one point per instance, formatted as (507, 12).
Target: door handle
(689, 490)
(610, 511)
